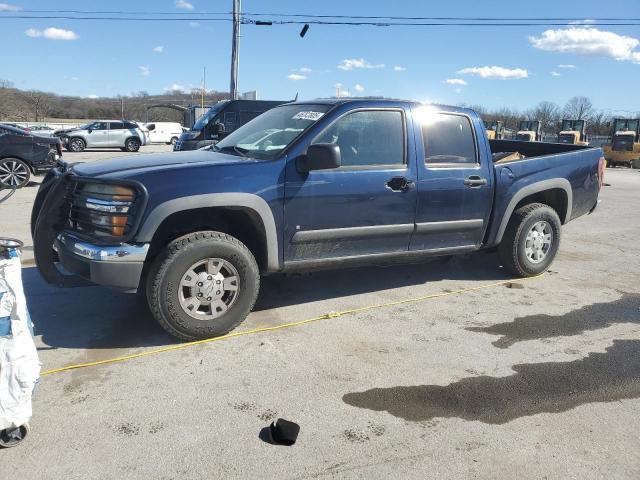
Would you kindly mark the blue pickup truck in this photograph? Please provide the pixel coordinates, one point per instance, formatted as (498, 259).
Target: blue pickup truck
(306, 185)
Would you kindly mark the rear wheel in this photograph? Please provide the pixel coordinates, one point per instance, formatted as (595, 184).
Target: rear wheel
(173, 140)
(76, 144)
(203, 285)
(132, 145)
(635, 164)
(14, 173)
(531, 240)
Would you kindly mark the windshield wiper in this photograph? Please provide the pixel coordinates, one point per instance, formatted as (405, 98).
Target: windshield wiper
(232, 148)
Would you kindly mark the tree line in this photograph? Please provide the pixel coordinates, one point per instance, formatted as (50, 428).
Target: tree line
(598, 122)
(37, 106)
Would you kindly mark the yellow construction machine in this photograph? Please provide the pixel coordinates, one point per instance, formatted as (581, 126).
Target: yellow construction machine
(495, 129)
(530, 131)
(573, 132)
(624, 148)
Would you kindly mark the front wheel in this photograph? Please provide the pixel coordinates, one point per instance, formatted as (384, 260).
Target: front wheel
(174, 140)
(132, 145)
(531, 240)
(14, 173)
(76, 145)
(203, 285)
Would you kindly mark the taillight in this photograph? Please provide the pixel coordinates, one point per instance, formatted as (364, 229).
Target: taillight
(601, 168)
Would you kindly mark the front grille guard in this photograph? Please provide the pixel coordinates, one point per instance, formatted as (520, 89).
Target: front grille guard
(48, 220)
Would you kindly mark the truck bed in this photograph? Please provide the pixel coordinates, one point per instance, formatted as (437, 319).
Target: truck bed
(568, 172)
(501, 149)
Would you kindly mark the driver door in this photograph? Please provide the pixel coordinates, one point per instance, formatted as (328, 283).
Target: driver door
(367, 205)
(98, 135)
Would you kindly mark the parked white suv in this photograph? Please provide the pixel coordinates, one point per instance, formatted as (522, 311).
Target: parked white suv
(164, 132)
(122, 134)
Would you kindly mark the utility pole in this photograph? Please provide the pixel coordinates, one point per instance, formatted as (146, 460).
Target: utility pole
(122, 108)
(235, 50)
(204, 85)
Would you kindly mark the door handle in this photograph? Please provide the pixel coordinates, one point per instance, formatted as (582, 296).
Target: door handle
(475, 181)
(399, 184)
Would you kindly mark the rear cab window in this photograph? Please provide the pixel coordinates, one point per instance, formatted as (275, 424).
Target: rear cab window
(449, 140)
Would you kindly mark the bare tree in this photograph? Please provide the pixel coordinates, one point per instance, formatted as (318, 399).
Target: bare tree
(37, 102)
(579, 108)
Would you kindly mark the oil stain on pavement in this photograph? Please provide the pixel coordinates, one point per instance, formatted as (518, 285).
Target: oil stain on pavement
(591, 317)
(535, 388)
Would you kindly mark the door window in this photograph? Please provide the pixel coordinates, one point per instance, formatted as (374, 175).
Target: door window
(117, 125)
(98, 126)
(368, 138)
(448, 139)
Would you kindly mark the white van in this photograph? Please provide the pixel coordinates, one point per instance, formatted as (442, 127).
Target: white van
(163, 132)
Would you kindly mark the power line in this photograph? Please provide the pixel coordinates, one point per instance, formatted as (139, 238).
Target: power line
(370, 17)
(247, 20)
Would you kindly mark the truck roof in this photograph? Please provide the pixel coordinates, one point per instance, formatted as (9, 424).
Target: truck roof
(364, 101)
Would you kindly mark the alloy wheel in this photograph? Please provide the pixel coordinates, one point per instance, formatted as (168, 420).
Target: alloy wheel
(13, 173)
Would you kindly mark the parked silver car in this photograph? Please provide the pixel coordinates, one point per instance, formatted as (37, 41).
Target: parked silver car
(122, 134)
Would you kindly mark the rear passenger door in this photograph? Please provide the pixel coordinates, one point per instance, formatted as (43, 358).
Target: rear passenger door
(116, 134)
(455, 191)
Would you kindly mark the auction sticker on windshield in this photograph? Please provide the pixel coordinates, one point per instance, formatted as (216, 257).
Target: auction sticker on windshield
(307, 116)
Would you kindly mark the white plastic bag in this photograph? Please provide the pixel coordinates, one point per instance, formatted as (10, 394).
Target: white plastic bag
(19, 364)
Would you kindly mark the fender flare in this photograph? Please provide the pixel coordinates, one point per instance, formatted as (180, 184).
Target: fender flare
(245, 200)
(561, 183)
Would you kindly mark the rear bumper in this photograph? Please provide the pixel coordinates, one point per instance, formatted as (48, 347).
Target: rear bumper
(119, 267)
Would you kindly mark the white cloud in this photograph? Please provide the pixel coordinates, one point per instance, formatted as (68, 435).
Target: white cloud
(52, 33)
(359, 88)
(194, 24)
(351, 63)
(588, 41)
(144, 70)
(295, 77)
(398, 68)
(184, 5)
(93, 96)
(176, 87)
(566, 65)
(305, 70)
(555, 74)
(6, 7)
(455, 81)
(496, 72)
(158, 49)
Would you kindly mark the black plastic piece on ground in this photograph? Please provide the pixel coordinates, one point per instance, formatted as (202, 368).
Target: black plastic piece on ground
(12, 437)
(283, 432)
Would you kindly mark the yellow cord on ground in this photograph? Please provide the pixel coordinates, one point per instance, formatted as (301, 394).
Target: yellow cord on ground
(326, 316)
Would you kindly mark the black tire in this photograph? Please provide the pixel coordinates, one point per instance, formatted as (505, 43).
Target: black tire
(173, 140)
(132, 144)
(635, 164)
(76, 145)
(165, 275)
(12, 437)
(512, 249)
(14, 173)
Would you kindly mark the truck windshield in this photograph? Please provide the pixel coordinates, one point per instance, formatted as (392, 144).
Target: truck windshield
(270, 133)
(204, 120)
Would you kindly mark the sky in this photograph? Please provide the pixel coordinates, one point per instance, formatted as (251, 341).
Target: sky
(492, 66)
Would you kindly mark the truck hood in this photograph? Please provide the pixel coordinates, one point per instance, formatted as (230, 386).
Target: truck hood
(155, 161)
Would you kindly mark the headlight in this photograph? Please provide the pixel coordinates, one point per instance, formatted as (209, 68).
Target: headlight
(102, 209)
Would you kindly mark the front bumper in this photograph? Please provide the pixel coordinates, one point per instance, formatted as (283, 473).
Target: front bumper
(118, 266)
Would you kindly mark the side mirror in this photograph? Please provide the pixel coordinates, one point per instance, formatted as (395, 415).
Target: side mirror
(320, 156)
